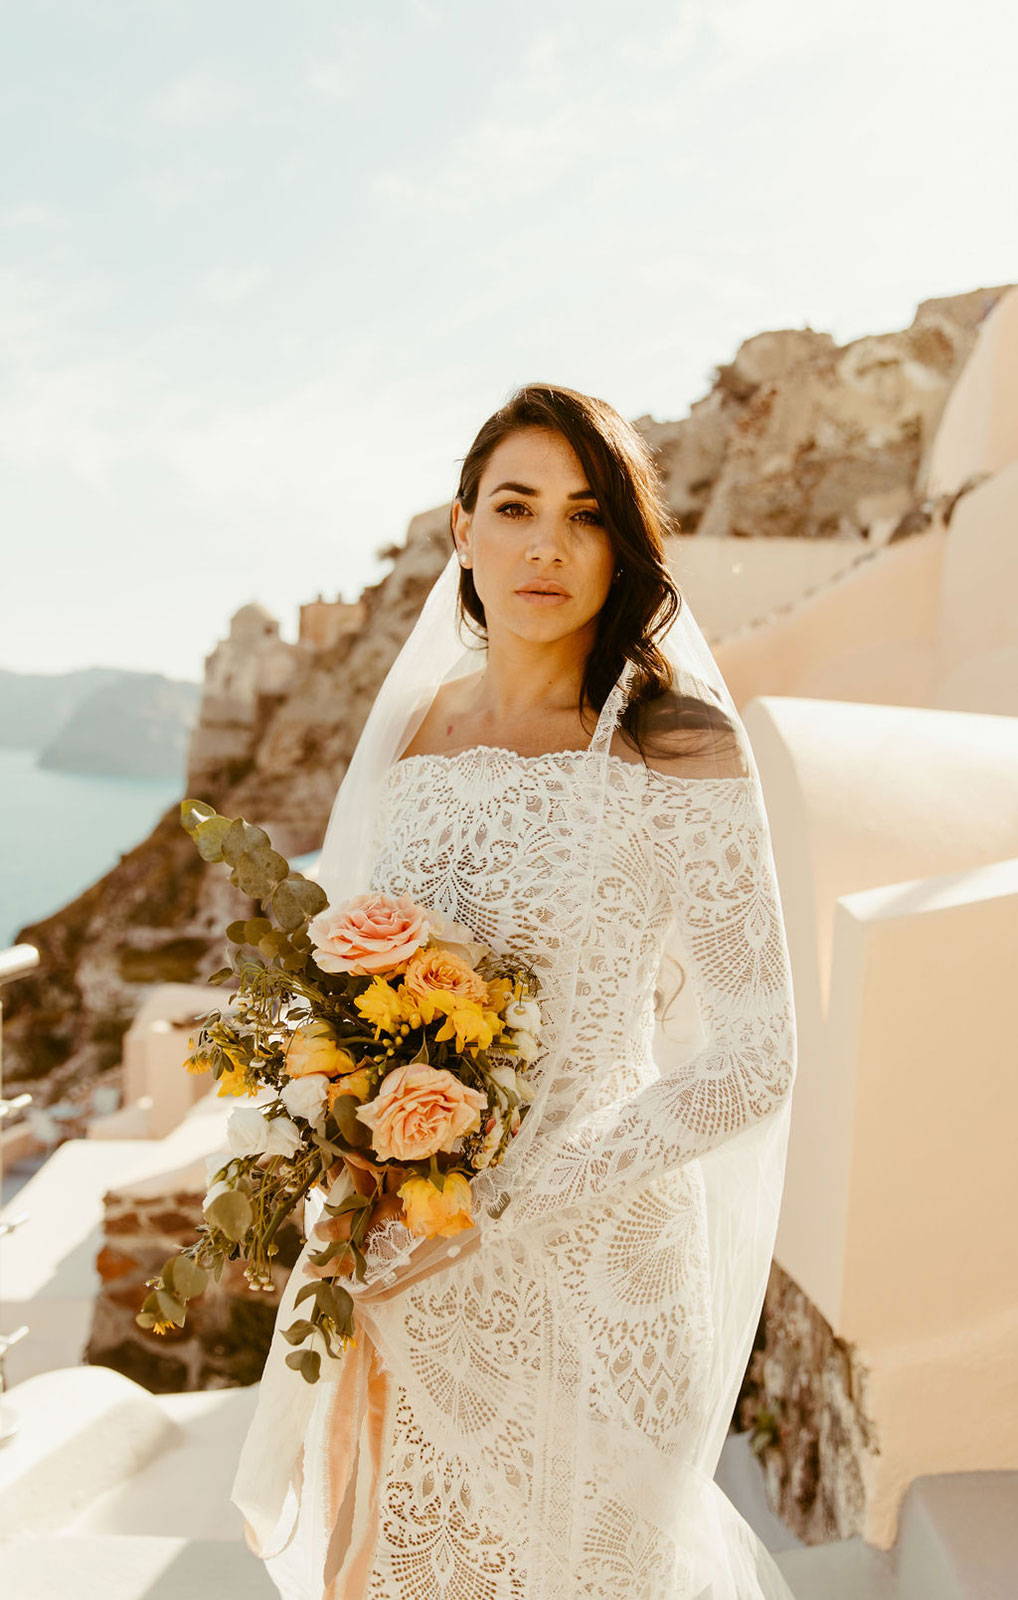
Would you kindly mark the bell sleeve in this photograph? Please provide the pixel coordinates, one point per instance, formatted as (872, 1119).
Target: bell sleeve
(710, 846)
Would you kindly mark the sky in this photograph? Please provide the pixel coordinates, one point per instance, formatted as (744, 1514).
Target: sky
(265, 269)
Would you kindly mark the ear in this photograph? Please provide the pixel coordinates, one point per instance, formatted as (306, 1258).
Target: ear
(461, 521)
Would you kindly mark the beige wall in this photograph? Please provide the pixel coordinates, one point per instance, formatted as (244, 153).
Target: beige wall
(979, 428)
(895, 834)
(733, 583)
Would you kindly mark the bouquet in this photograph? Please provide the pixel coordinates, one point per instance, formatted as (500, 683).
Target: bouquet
(385, 1038)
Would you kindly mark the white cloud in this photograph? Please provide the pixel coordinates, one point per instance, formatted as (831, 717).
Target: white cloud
(34, 215)
(200, 99)
(229, 286)
(494, 165)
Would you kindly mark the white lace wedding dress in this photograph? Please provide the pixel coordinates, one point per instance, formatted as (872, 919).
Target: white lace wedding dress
(541, 1420)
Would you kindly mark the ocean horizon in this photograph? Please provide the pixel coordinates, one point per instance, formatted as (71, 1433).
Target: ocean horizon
(61, 831)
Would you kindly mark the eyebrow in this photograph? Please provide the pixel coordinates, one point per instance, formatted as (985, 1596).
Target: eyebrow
(521, 488)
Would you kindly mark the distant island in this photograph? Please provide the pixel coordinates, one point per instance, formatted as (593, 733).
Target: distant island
(101, 720)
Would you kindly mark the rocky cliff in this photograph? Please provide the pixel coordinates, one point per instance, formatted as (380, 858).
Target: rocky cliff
(797, 436)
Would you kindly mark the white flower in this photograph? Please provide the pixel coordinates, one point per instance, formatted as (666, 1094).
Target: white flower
(283, 1137)
(305, 1097)
(246, 1131)
(455, 937)
(489, 1144)
(505, 1076)
(523, 1014)
(526, 1044)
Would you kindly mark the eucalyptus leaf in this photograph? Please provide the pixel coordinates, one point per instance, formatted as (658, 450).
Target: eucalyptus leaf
(170, 1307)
(355, 1132)
(209, 836)
(257, 872)
(298, 1330)
(353, 1202)
(306, 1362)
(296, 900)
(242, 838)
(231, 1213)
(189, 1279)
(193, 813)
(337, 1304)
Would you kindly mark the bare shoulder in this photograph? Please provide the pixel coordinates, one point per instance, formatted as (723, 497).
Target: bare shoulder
(684, 736)
(435, 734)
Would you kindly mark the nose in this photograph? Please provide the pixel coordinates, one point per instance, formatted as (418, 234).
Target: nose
(545, 545)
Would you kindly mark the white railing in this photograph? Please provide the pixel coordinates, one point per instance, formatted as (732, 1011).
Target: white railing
(15, 962)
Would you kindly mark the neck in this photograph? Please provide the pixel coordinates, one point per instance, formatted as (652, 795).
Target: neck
(523, 679)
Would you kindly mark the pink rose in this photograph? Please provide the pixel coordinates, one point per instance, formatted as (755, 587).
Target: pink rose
(370, 934)
(419, 1110)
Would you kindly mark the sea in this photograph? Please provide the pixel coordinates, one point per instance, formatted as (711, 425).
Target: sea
(60, 831)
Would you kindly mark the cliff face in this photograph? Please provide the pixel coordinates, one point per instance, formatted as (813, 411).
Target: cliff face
(796, 436)
(136, 727)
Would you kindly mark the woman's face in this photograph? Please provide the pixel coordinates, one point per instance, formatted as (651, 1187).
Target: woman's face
(536, 522)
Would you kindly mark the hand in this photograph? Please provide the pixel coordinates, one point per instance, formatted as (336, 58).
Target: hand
(429, 1256)
(365, 1176)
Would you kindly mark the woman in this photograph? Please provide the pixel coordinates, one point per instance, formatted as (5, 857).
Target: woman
(535, 1407)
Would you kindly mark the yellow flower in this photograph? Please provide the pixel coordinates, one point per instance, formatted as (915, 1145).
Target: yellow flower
(162, 1327)
(197, 1061)
(500, 992)
(234, 1081)
(381, 1006)
(466, 1021)
(431, 1212)
(315, 1048)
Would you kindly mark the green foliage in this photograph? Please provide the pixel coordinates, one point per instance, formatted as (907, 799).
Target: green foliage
(185, 1277)
(356, 1133)
(307, 1363)
(278, 938)
(231, 1213)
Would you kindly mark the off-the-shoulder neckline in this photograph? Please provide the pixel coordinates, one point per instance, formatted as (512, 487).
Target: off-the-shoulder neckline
(555, 755)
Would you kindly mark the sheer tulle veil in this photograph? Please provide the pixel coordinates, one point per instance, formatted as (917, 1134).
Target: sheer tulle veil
(741, 1175)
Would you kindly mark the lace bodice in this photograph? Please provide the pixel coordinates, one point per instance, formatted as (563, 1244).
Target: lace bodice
(490, 836)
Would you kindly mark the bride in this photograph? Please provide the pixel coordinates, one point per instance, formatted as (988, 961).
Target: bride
(534, 1407)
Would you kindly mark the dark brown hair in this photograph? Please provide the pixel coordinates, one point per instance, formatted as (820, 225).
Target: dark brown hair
(644, 599)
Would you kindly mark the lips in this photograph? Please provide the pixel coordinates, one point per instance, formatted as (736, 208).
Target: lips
(543, 588)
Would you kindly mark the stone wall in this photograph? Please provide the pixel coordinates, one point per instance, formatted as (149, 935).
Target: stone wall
(804, 1402)
(226, 1338)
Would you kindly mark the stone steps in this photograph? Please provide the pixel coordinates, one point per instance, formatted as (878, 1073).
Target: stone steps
(129, 1566)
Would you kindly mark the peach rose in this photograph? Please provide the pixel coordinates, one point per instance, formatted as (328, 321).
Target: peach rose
(431, 1211)
(314, 1048)
(438, 968)
(356, 1083)
(372, 933)
(419, 1110)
